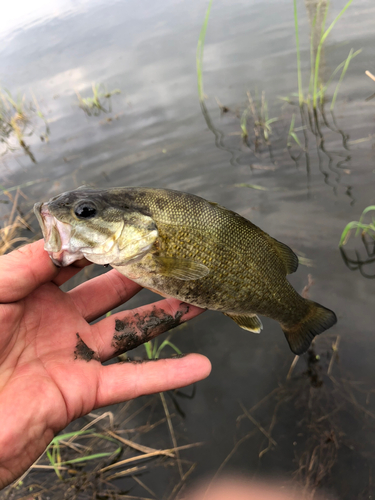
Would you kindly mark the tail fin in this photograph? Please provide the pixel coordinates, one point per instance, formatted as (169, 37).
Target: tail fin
(317, 320)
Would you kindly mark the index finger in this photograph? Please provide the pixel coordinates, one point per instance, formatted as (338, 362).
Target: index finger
(25, 269)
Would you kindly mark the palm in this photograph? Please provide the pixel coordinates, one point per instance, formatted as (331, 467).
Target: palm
(44, 381)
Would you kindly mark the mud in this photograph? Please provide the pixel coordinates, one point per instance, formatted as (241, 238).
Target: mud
(130, 333)
(82, 351)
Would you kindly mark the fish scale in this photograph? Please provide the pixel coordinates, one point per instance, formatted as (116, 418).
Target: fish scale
(186, 247)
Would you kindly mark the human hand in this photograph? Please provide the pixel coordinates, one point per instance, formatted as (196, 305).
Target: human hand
(50, 356)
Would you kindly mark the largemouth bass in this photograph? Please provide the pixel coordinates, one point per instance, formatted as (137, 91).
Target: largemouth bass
(183, 246)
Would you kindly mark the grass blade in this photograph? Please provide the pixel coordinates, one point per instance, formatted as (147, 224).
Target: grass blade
(318, 53)
(199, 55)
(299, 75)
(346, 65)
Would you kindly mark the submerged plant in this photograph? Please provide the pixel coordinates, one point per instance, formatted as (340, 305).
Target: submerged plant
(257, 112)
(93, 106)
(18, 120)
(292, 134)
(367, 232)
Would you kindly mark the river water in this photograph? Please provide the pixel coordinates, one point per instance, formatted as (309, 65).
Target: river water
(157, 135)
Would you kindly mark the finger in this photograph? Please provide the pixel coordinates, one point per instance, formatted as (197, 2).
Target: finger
(126, 330)
(68, 272)
(99, 295)
(23, 270)
(129, 380)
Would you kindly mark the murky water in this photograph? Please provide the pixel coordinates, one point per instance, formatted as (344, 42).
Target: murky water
(156, 135)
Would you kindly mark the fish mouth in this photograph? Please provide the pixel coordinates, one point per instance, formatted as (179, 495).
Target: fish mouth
(56, 237)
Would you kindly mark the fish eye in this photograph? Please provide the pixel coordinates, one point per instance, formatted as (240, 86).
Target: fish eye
(85, 210)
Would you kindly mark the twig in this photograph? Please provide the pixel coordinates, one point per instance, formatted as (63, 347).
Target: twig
(262, 429)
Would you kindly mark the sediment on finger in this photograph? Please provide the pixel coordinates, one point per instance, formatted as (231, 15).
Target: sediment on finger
(130, 332)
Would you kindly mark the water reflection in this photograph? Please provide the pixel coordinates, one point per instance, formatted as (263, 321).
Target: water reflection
(363, 264)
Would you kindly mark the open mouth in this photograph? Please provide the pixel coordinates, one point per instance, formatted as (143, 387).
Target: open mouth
(56, 237)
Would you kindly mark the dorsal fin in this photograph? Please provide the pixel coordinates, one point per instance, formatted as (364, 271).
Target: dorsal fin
(286, 254)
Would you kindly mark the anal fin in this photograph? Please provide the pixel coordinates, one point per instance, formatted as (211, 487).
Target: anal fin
(249, 322)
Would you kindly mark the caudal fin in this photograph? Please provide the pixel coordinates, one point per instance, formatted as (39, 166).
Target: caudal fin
(317, 320)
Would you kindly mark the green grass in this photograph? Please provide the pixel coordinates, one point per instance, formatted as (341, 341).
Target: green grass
(199, 54)
(94, 105)
(292, 134)
(58, 443)
(320, 46)
(153, 349)
(316, 89)
(345, 66)
(299, 74)
(360, 227)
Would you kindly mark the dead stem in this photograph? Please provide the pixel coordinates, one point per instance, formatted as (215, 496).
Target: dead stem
(144, 486)
(292, 366)
(181, 483)
(257, 424)
(171, 430)
(228, 457)
(139, 447)
(335, 348)
(127, 472)
(306, 288)
(151, 454)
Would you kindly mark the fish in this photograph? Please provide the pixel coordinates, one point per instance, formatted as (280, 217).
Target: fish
(183, 246)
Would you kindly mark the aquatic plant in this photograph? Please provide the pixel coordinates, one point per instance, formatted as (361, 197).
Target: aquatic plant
(13, 224)
(153, 349)
(93, 106)
(85, 453)
(367, 232)
(18, 120)
(199, 53)
(258, 110)
(292, 133)
(316, 88)
(366, 229)
(84, 459)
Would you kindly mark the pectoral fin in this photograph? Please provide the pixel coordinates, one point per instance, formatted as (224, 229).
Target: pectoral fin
(182, 269)
(249, 322)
